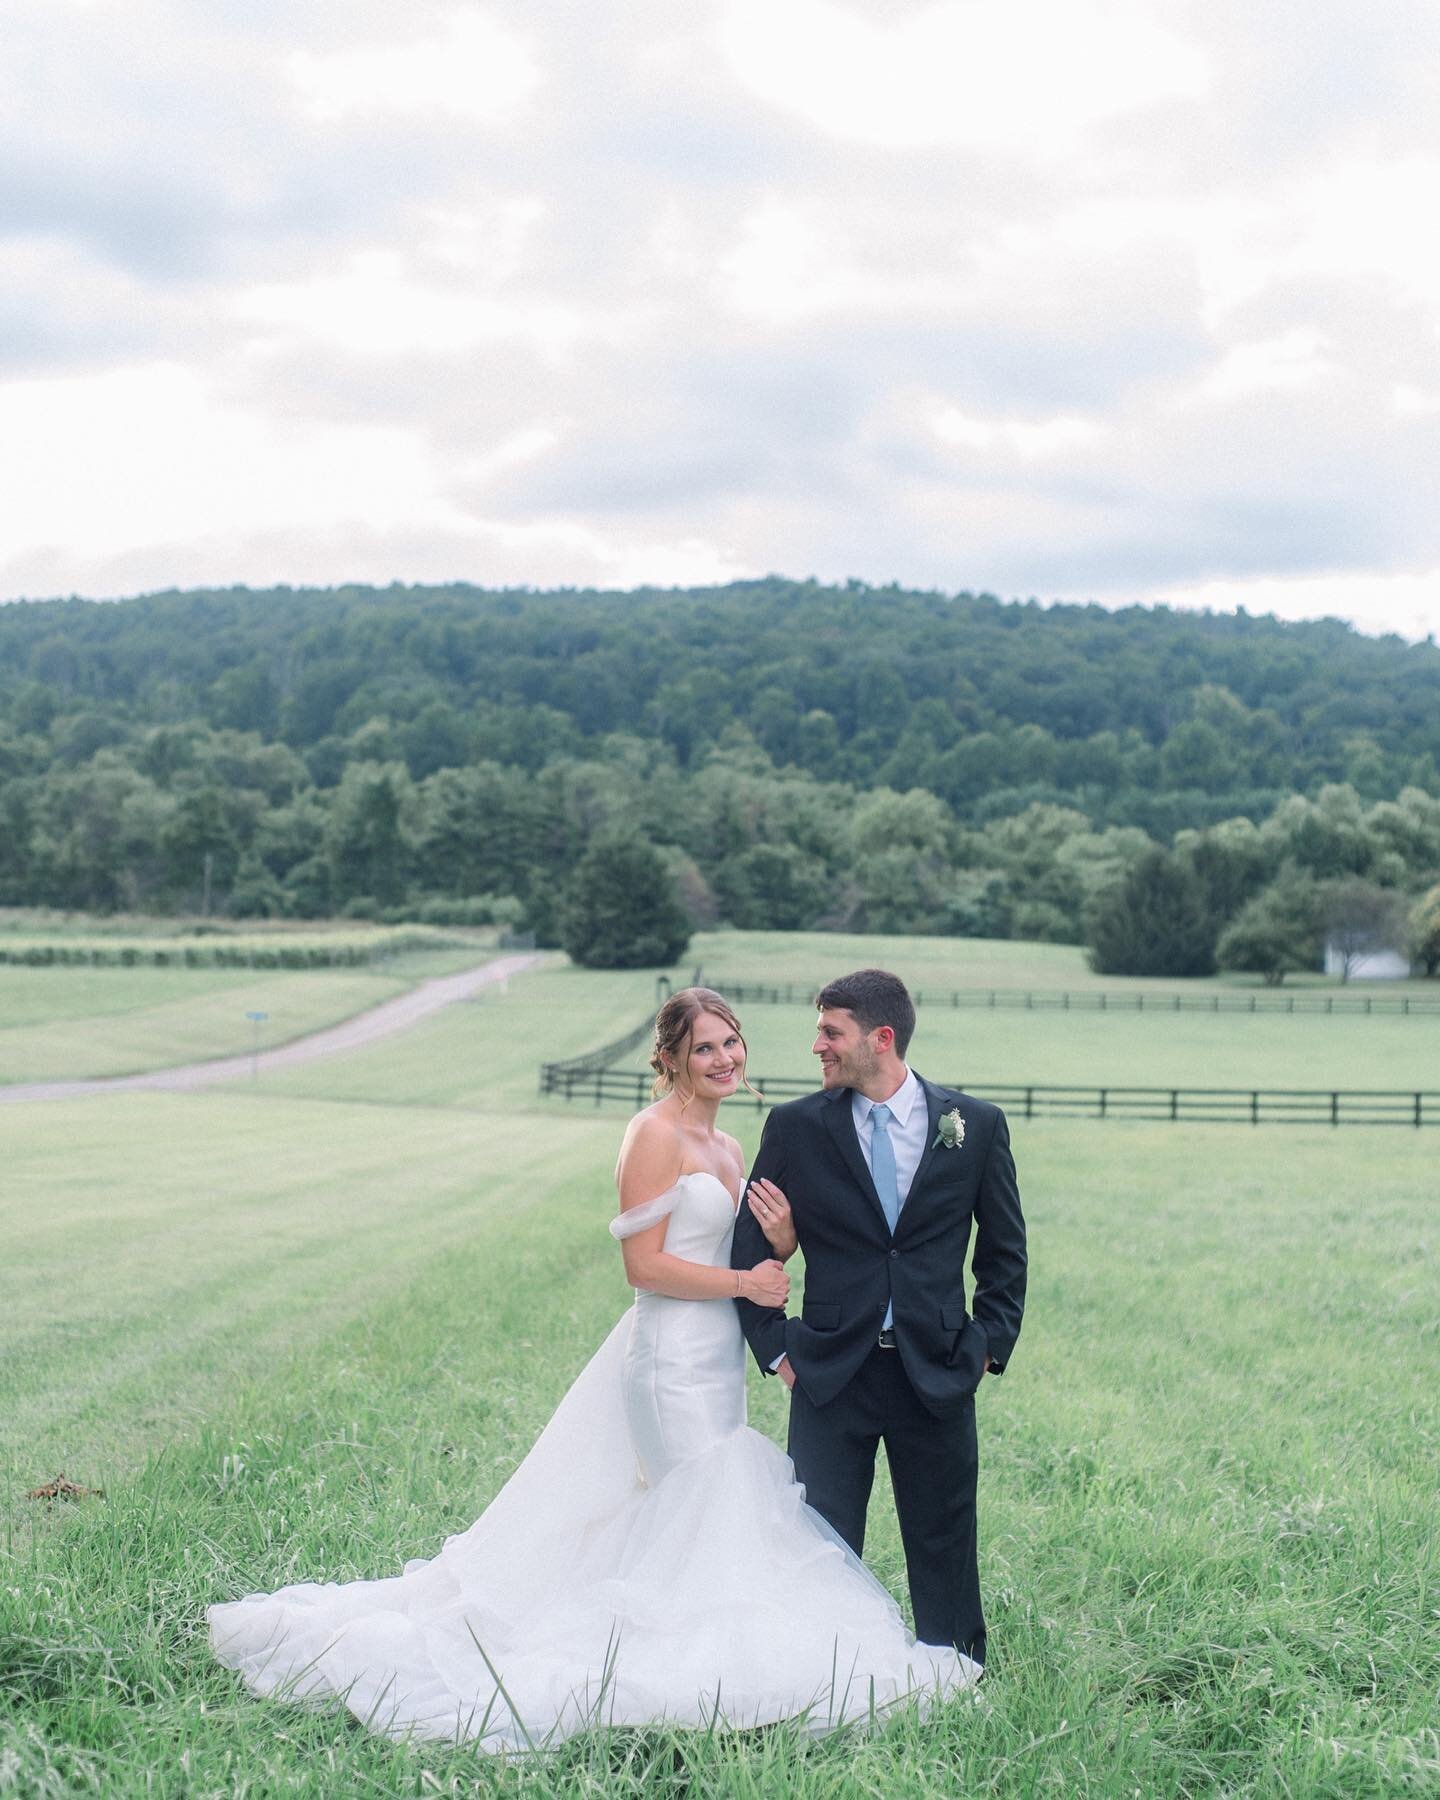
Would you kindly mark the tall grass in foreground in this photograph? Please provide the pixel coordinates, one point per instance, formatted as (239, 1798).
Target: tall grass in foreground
(1207, 1500)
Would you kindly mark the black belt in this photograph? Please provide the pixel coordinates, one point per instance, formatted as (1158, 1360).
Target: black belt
(886, 1340)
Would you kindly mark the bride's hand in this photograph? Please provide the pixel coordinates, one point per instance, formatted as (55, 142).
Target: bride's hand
(766, 1284)
(772, 1214)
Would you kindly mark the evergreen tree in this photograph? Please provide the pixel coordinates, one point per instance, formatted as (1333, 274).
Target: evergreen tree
(1154, 921)
(621, 907)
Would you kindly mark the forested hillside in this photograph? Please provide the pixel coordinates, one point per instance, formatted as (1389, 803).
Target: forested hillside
(858, 756)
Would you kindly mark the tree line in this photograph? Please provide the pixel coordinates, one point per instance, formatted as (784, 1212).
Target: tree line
(786, 755)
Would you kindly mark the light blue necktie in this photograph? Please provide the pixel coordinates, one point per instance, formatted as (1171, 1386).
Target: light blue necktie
(882, 1173)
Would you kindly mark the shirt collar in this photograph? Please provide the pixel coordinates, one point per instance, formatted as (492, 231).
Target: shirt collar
(900, 1102)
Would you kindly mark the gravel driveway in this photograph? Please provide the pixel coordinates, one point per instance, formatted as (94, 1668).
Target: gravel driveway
(364, 1028)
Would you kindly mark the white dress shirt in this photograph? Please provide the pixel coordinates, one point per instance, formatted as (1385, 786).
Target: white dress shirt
(909, 1129)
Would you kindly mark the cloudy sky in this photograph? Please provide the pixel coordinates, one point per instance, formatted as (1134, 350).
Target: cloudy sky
(1053, 297)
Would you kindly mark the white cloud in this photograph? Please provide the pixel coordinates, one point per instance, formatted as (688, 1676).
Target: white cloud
(1358, 218)
(1065, 298)
(472, 68)
(150, 455)
(1410, 402)
(1296, 361)
(377, 306)
(1027, 75)
(1029, 439)
(1377, 601)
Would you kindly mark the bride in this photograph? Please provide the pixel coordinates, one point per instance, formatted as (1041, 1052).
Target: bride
(652, 1559)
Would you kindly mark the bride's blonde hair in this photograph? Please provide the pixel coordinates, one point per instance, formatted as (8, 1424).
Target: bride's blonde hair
(673, 1024)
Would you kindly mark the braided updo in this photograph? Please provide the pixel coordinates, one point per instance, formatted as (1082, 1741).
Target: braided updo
(673, 1025)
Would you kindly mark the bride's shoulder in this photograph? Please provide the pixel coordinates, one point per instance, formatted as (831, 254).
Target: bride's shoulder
(651, 1147)
(650, 1125)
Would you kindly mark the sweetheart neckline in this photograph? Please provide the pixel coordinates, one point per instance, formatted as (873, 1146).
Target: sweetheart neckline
(734, 1199)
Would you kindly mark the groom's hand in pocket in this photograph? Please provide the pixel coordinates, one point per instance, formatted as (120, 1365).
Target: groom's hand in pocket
(785, 1372)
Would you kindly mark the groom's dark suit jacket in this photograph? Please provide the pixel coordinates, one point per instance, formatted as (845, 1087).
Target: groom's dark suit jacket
(854, 1267)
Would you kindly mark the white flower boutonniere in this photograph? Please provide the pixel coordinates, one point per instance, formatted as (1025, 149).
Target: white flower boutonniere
(952, 1130)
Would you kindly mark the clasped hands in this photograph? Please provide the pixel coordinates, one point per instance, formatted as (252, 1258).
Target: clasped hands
(772, 1215)
(767, 1284)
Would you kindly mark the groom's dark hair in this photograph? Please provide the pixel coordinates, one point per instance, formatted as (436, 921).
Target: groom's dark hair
(876, 997)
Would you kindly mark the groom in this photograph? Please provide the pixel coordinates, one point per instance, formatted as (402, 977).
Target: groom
(885, 1174)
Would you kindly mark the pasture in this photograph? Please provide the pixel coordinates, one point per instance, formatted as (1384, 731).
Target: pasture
(308, 1327)
(69, 1021)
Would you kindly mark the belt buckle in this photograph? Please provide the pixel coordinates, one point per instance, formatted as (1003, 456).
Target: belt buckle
(886, 1339)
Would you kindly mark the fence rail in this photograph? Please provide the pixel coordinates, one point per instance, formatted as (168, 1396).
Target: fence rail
(1108, 1000)
(597, 1061)
(1037, 1100)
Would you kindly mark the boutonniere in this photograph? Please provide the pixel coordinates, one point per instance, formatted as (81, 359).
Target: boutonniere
(951, 1133)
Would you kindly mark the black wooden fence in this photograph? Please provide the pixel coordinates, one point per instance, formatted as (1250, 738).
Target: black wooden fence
(1120, 1000)
(1220, 1106)
(595, 1061)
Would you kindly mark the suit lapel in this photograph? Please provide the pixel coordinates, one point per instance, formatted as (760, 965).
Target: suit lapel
(935, 1104)
(840, 1120)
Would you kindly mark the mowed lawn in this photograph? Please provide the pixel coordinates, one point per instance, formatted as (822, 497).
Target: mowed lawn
(61, 1023)
(940, 964)
(66, 1022)
(976, 1047)
(309, 1333)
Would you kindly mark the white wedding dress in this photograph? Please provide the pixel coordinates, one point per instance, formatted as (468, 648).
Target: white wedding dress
(652, 1559)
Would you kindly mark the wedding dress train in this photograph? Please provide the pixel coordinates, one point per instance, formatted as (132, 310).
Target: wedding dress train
(652, 1559)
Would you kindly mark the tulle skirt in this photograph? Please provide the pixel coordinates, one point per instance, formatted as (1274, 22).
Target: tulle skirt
(582, 1597)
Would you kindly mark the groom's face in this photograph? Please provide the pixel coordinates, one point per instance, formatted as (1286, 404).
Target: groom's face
(848, 1055)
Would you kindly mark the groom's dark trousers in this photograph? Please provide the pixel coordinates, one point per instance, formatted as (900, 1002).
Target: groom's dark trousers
(918, 1398)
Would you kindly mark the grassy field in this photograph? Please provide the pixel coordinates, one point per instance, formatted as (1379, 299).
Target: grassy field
(307, 1330)
(65, 1022)
(974, 1049)
(944, 963)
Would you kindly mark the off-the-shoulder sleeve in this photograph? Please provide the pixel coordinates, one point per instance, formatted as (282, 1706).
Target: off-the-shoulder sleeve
(642, 1217)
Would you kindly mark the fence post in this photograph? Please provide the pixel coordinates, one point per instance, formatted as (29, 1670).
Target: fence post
(1174, 1103)
(1254, 1106)
(1104, 1094)
(1417, 1111)
(1334, 1109)
(1029, 1103)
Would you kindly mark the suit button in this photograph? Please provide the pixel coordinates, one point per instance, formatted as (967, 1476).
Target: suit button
(893, 1255)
